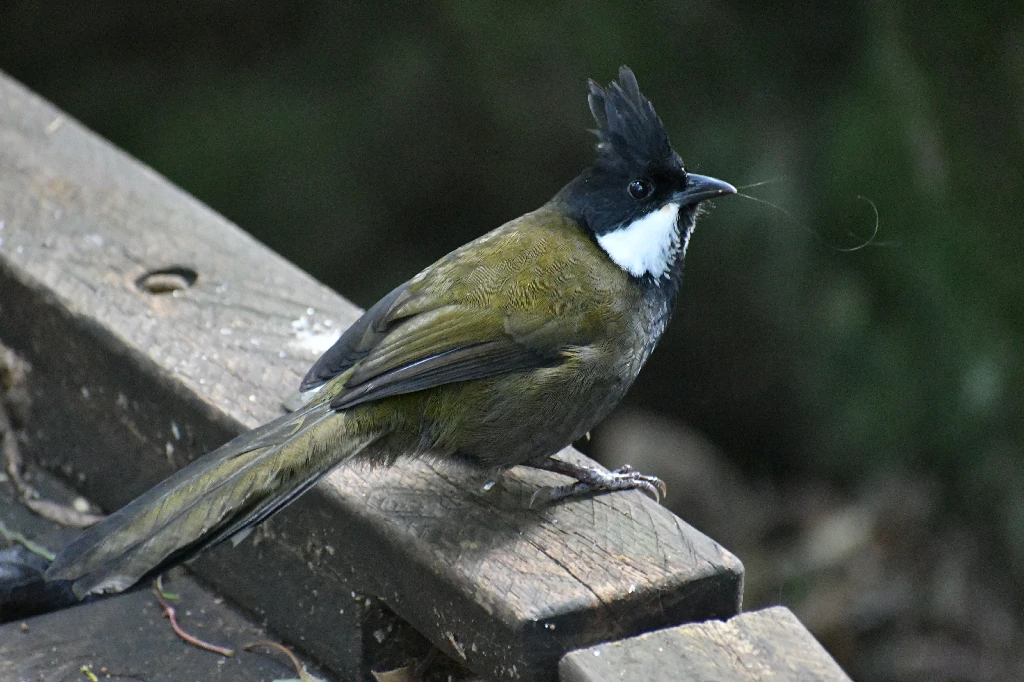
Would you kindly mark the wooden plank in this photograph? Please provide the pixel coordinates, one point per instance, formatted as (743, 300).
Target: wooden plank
(127, 634)
(761, 645)
(130, 384)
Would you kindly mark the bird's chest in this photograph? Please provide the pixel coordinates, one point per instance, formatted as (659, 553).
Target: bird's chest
(642, 327)
(609, 367)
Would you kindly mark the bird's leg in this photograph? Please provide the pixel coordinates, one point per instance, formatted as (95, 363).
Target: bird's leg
(592, 481)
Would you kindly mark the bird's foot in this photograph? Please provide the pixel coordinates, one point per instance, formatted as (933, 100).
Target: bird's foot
(594, 481)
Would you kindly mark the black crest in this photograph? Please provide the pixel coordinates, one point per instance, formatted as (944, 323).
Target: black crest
(636, 170)
(630, 134)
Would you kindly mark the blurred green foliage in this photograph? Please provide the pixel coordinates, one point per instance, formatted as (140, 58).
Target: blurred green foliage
(363, 140)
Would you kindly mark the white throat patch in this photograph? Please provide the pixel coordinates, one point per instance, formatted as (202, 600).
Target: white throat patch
(646, 245)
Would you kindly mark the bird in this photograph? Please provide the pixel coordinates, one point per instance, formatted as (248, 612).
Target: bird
(499, 354)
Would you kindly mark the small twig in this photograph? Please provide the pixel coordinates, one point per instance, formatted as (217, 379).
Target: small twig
(51, 511)
(16, 537)
(164, 593)
(300, 669)
(195, 641)
(267, 644)
(60, 513)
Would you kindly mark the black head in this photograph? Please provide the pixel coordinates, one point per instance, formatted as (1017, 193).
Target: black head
(637, 194)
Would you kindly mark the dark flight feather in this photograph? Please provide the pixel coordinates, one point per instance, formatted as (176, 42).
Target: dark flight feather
(219, 495)
(466, 363)
(356, 343)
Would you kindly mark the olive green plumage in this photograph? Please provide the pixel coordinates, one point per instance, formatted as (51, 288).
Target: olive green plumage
(532, 310)
(536, 292)
(501, 353)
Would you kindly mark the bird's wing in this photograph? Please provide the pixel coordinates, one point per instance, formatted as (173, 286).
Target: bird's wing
(357, 341)
(508, 302)
(446, 345)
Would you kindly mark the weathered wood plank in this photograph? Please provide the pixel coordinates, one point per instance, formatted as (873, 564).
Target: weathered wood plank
(129, 384)
(761, 645)
(126, 634)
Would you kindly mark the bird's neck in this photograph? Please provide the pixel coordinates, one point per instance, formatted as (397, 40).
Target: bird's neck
(662, 291)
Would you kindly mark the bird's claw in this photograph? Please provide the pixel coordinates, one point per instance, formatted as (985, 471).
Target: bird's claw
(591, 481)
(652, 485)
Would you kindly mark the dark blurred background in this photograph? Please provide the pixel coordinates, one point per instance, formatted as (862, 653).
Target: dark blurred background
(847, 421)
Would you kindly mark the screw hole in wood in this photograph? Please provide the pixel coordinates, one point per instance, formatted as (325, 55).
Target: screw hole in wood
(167, 280)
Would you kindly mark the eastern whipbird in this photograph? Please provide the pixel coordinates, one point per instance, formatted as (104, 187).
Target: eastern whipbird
(501, 353)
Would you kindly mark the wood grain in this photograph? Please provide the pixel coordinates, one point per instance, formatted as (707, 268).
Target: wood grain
(128, 636)
(125, 634)
(129, 384)
(761, 645)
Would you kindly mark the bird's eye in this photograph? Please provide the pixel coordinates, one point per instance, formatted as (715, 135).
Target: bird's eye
(640, 189)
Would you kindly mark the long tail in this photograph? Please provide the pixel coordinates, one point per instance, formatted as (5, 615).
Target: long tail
(221, 495)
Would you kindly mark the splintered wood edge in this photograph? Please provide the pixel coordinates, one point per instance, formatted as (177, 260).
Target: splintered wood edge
(129, 384)
(759, 645)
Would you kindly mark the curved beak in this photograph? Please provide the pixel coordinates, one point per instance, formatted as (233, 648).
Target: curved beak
(701, 187)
